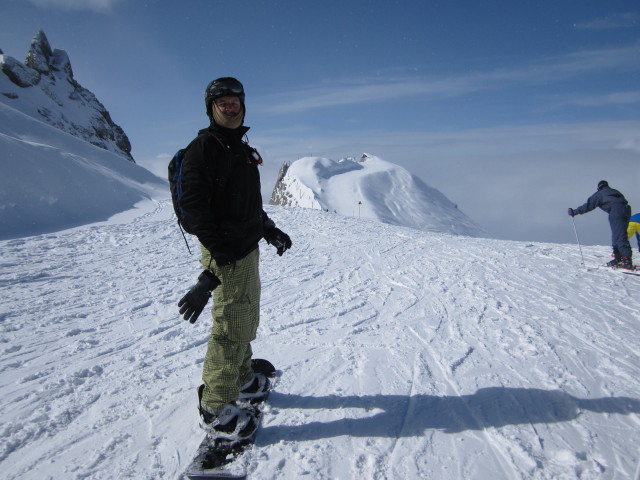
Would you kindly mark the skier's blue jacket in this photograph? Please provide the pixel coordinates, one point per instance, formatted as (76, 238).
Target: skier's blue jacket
(608, 199)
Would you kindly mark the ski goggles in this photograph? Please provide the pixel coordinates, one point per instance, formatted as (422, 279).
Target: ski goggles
(226, 86)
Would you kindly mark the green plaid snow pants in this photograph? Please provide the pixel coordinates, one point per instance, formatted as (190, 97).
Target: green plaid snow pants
(236, 315)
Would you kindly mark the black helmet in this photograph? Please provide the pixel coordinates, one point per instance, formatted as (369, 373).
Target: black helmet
(602, 184)
(223, 87)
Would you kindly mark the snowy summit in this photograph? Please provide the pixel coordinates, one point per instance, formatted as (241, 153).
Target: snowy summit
(63, 161)
(370, 188)
(43, 87)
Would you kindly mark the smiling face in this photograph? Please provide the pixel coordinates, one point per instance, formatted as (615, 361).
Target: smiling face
(229, 106)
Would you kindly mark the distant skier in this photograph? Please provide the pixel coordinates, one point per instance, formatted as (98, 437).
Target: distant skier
(222, 204)
(614, 203)
(634, 227)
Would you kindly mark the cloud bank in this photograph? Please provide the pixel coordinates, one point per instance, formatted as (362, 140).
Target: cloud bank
(376, 89)
(93, 5)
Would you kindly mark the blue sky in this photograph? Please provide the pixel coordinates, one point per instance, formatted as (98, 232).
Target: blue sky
(513, 109)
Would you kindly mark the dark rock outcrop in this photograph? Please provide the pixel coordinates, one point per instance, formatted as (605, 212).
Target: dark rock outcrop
(62, 102)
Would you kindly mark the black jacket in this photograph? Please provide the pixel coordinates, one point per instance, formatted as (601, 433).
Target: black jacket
(221, 198)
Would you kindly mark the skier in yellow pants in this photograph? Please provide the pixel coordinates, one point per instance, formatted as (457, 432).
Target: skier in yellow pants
(634, 227)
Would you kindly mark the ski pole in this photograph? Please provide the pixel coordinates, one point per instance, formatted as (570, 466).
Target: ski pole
(576, 232)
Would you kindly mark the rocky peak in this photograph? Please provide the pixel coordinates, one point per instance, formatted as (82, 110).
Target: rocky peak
(280, 194)
(57, 98)
(39, 54)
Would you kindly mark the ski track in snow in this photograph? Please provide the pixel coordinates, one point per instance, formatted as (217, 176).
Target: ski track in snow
(401, 354)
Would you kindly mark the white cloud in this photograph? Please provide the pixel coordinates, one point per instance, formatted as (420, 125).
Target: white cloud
(630, 144)
(367, 90)
(587, 61)
(618, 20)
(606, 100)
(478, 143)
(157, 165)
(94, 5)
(376, 89)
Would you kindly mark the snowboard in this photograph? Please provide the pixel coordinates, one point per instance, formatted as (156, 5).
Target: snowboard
(215, 459)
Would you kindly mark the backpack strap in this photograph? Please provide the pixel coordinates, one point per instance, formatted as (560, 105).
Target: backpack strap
(221, 175)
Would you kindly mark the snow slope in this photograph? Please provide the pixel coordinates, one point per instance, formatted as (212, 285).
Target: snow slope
(51, 180)
(401, 354)
(370, 188)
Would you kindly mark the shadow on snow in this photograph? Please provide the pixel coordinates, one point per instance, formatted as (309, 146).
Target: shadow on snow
(404, 416)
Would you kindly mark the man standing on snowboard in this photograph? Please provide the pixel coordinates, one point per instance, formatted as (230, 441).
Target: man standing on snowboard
(222, 204)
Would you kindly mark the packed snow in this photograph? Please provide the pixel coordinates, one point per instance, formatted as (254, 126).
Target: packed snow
(400, 354)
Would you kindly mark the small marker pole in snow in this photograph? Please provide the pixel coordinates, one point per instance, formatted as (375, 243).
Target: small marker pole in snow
(576, 232)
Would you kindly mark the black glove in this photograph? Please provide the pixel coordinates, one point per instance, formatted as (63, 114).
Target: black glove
(192, 304)
(572, 212)
(276, 237)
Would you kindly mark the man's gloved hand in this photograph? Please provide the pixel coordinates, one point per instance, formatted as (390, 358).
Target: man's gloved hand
(192, 304)
(276, 237)
(572, 212)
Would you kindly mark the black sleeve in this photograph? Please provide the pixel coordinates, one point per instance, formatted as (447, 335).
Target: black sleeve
(267, 223)
(198, 173)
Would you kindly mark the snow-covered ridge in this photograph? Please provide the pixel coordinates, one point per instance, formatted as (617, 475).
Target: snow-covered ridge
(370, 188)
(44, 88)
